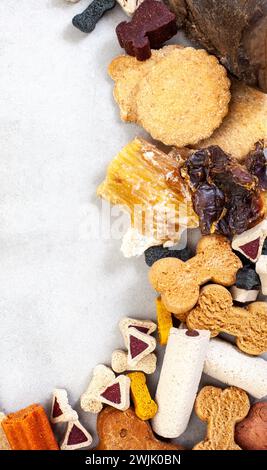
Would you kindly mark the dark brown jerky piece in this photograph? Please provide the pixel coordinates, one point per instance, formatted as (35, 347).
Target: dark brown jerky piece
(150, 27)
(208, 203)
(256, 163)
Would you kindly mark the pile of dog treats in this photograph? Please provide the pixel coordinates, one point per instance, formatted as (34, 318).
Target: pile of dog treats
(215, 167)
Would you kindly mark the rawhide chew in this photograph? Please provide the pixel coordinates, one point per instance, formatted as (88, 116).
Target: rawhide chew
(247, 286)
(261, 270)
(119, 430)
(144, 326)
(251, 433)
(164, 318)
(250, 242)
(4, 444)
(120, 364)
(221, 409)
(76, 437)
(106, 388)
(154, 253)
(144, 406)
(139, 345)
(234, 30)
(150, 27)
(61, 411)
(29, 429)
(179, 282)
(179, 380)
(143, 176)
(224, 362)
(86, 21)
(215, 312)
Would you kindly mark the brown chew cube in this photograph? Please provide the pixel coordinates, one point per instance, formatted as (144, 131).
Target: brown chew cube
(119, 430)
(251, 433)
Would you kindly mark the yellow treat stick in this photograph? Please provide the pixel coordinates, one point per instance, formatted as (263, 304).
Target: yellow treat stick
(145, 406)
(164, 318)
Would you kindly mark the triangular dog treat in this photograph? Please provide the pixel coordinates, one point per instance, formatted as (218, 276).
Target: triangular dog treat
(144, 326)
(61, 411)
(250, 242)
(76, 437)
(139, 345)
(117, 393)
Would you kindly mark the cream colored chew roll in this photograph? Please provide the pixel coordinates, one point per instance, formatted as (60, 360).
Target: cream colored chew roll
(179, 379)
(226, 363)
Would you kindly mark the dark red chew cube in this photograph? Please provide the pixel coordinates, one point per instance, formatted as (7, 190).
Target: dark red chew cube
(150, 27)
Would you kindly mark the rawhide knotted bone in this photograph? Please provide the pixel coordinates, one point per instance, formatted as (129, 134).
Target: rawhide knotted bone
(251, 433)
(221, 409)
(120, 364)
(105, 388)
(61, 411)
(119, 430)
(76, 437)
(150, 27)
(145, 406)
(178, 282)
(86, 21)
(215, 312)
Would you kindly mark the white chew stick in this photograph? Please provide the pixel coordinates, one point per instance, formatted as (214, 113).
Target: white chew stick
(179, 379)
(226, 363)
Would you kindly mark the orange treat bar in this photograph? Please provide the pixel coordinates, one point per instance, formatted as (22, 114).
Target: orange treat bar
(29, 429)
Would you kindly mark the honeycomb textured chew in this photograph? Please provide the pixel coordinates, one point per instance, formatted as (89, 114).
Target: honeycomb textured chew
(141, 175)
(29, 429)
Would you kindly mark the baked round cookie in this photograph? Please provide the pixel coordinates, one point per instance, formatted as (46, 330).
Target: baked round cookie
(184, 97)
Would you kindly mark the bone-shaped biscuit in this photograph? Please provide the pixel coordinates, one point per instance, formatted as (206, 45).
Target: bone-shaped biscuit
(221, 409)
(215, 312)
(120, 364)
(145, 406)
(178, 282)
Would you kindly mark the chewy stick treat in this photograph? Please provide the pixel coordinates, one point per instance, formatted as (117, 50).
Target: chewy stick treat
(164, 318)
(221, 409)
(120, 364)
(29, 429)
(215, 312)
(125, 431)
(61, 411)
(179, 282)
(179, 380)
(145, 406)
(251, 433)
(227, 364)
(4, 445)
(76, 437)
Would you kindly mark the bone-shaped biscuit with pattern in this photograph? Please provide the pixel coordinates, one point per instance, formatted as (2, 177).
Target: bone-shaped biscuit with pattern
(215, 312)
(221, 409)
(178, 282)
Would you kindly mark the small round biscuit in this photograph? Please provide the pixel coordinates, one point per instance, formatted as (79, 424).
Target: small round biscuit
(245, 124)
(184, 97)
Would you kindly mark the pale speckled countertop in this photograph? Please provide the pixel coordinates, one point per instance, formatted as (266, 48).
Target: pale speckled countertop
(61, 294)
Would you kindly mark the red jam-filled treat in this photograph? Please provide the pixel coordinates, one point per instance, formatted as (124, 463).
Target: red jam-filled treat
(150, 27)
(76, 437)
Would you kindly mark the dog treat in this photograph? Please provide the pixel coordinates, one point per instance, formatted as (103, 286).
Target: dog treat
(150, 27)
(224, 362)
(164, 318)
(119, 363)
(244, 295)
(4, 444)
(145, 406)
(61, 411)
(250, 242)
(215, 312)
(143, 176)
(256, 163)
(247, 286)
(225, 195)
(140, 345)
(154, 253)
(106, 388)
(245, 123)
(144, 326)
(129, 6)
(221, 409)
(76, 437)
(125, 431)
(29, 429)
(86, 21)
(261, 270)
(251, 433)
(179, 380)
(179, 282)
